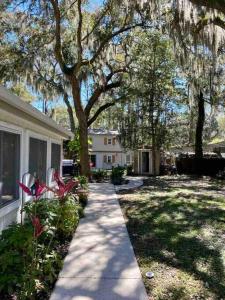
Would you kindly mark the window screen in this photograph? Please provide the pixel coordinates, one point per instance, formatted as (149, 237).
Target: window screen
(56, 156)
(37, 158)
(9, 167)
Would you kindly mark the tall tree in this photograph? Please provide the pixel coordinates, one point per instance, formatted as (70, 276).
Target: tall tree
(152, 94)
(81, 43)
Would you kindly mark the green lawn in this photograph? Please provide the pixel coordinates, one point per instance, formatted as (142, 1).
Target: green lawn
(177, 228)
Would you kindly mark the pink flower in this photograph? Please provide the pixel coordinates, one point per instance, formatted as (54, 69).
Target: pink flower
(37, 189)
(62, 188)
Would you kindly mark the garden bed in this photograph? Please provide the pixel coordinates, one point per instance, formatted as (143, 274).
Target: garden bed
(32, 253)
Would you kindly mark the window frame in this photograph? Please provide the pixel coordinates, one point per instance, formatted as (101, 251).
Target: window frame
(14, 203)
(109, 139)
(61, 152)
(109, 162)
(44, 138)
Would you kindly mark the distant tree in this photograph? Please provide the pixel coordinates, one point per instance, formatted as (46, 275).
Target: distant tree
(149, 107)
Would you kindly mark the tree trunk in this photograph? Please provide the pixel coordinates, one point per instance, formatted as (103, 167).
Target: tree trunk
(70, 112)
(84, 155)
(83, 127)
(200, 127)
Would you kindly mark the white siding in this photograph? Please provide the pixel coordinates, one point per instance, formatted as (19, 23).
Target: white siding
(11, 212)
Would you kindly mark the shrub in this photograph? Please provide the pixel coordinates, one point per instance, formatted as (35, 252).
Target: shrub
(99, 175)
(83, 180)
(16, 254)
(83, 197)
(129, 170)
(117, 175)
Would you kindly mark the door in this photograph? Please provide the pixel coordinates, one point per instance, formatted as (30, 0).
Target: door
(93, 161)
(145, 162)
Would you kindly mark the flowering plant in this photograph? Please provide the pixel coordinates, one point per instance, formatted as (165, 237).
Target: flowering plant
(62, 189)
(36, 190)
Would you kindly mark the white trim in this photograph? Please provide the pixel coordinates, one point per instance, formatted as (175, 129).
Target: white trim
(19, 131)
(58, 142)
(10, 127)
(44, 138)
(8, 208)
(13, 100)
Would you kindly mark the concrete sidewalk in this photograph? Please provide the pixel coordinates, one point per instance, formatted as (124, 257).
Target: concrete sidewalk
(100, 264)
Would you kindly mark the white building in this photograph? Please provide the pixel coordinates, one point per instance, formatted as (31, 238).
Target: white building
(106, 151)
(30, 143)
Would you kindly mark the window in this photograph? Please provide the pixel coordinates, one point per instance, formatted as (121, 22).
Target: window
(109, 159)
(128, 162)
(56, 156)
(37, 158)
(9, 166)
(109, 141)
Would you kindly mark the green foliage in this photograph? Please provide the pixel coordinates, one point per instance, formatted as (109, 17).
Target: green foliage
(83, 198)
(29, 266)
(68, 217)
(99, 174)
(74, 145)
(117, 174)
(83, 180)
(129, 170)
(16, 252)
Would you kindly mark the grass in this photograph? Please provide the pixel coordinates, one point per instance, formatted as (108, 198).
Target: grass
(177, 228)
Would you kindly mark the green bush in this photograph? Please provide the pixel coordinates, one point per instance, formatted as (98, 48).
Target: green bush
(83, 180)
(83, 197)
(129, 170)
(99, 175)
(117, 175)
(68, 217)
(16, 254)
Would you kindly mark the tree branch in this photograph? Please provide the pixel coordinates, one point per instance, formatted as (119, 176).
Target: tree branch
(58, 42)
(202, 23)
(79, 32)
(110, 37)
(99, 111)
(101, 89)
(97, 93)
(213, 4)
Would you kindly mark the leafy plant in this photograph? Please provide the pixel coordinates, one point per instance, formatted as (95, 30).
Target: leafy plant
(99, 175)
(129, 170)
(83, 180)
(30, 255)
(117, 174)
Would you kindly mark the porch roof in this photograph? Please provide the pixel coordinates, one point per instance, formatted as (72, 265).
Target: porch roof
(9, 100)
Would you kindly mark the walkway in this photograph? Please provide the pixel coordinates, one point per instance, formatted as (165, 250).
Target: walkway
(100, 264)
(134, 182)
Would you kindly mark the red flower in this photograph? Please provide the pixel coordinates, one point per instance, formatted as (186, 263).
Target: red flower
(62, 188)
(38, 228)
(36, 189)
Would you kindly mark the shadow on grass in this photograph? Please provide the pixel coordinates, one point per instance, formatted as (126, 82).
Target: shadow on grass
(168, 230)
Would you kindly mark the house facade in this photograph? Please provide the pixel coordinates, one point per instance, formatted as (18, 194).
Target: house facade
(106, 151)
(30, 146)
